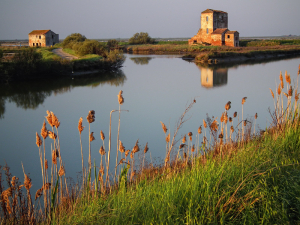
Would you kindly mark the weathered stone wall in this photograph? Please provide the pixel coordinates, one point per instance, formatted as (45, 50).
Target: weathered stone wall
(37, 40)
(232, 39)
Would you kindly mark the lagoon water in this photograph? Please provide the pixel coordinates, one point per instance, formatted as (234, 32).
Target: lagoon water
(155, 88)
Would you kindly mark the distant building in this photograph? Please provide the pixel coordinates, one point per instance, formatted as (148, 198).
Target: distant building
(214, 30)
(42, 38)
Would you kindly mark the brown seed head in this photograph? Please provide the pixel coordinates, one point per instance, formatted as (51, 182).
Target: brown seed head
(101, 171)
(44, 132)
(184, 139)
(167, 159)
(91, 116)
(255, 116)
(51, 135)
(92, 136)
(13, 181)
(244, 100)
(122, 161)
(136, 147)
(214, 125)
(204, 124)
(191, 138)
(193, 148)
(61, 171)
(102, 151)
(127, 152)
(228, 105)
(55, 121)
(221, 135)
(272, 93)
(131, 155)
(46, 164)
(282, 84)
(27, 182)
(168, 138)
(279, 90)
(120, 98)
(230, 119)
(80, 127)
(38, 140)
(290, 92)
(231, 129)
(38, 193)
(121, 148)
(245, 122)
(54, 157)
(280, 77)
(102, 135)
(287, 77)
(47, 186)
(200, 130)
(234, 114)
(296, 96)
(190, 134)
(49, 118)
(181, 146)
(146, 149)
(164, 127)
(184, 155)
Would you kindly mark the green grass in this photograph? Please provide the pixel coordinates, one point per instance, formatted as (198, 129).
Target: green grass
(47, 54)
(259, 184)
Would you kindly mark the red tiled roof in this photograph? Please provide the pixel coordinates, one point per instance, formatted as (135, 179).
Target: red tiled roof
(231, 32)
(220, 31)
(38, 32)
(212, 10)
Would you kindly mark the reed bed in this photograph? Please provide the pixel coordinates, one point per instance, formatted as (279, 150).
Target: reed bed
(223, 172)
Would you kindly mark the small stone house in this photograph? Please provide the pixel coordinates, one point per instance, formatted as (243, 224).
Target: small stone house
(42, 38)
(214, 30)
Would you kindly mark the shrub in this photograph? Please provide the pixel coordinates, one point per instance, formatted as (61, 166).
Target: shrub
(141, 38)
(1, 54)
(113, 43)
(89, 47)
(72, 39)
(115, 58)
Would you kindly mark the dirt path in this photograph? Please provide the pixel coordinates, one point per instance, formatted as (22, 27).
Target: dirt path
(64, 55)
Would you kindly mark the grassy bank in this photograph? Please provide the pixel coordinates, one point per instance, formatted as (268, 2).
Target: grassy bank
(225, 172)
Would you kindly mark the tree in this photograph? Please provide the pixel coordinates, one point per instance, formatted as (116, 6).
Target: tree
(113, 43)
(73, 38)
(141, 38)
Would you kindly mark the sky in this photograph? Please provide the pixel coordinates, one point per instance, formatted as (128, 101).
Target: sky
(98, 19)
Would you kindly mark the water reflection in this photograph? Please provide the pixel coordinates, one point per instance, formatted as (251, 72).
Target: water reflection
(211, 77)
(29, 95)
(141, 60)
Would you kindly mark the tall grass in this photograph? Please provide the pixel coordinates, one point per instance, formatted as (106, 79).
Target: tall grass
(244, 177)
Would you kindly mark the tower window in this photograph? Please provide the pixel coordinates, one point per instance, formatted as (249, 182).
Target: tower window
(207, 30)
(207, 18)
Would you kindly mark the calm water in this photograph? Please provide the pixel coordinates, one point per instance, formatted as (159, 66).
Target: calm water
(155, 88)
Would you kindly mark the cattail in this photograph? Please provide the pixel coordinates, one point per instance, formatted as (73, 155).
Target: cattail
(228, 105)
(44, 132)
(120, 98)
(91, 116)
(214, 125)
(255, 116)
(136, 147)
(55, 121)
(127, 152)
(13, 181)
(290, 92)
(102, 151)
(204, 124)
(164, 127)
(234, 114)
(121, 148)
(102, 135)
(46, 164)
(200, 130)
(272, 93)
(184, 139)
(51, 135)
(38, 140)
(80, 127)
(244, 100)
(230, 119)
(168, 138)
(61, 171)
(146, 148)
(27, 182)
(39, 193)
(49, 118)
(193, 148)
(92, 136)
(279, 90)
(231, 129)
(190, 134)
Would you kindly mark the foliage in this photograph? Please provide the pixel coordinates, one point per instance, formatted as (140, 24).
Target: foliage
(1, 54)
(141, 38)
(113, 43)
(115, 58)
(73, 38)
(89, 47)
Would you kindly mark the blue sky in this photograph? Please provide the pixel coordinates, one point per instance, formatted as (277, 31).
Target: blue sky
(160, 18)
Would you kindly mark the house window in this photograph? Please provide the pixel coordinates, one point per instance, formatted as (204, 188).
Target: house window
(228, 36)
(207, 18)
(40, 44)
(207, 30)
(39, 37)
(32, 44)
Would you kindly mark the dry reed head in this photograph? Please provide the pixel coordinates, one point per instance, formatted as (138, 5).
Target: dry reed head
(121, 148)
(27, 182)
(190, 134)
(230, 119)
(290, 92)
(102, 135)
(92, 136)
(193, 148)
(51, 135)
(184, 155)
(280, 77)
(244, 100)
(228, 105)
(200, 130)
(91, 116)
(55, 121)
(80, 127)
(181, 146)
(38, 140)
(214, 125)
(279, 90)
(102, 151)
(131, 155)
(46, 164)
(164, 127)
(204, 124)
(255, 116)
(272, 93)
(54, 156)
(221, 135)
(127, 152)
(122, 161)
(287, 77)
(136, 147)
(234, 114)
(49, 118)
(44, 132)
(38, 193)
(13, 181)
(146, 149)
(101, 171)
(184, 139)
(296, 96)
(231, 129)
(61, 171)
(168, 138)
(47, 186)
(120, 98)
(245, 122)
